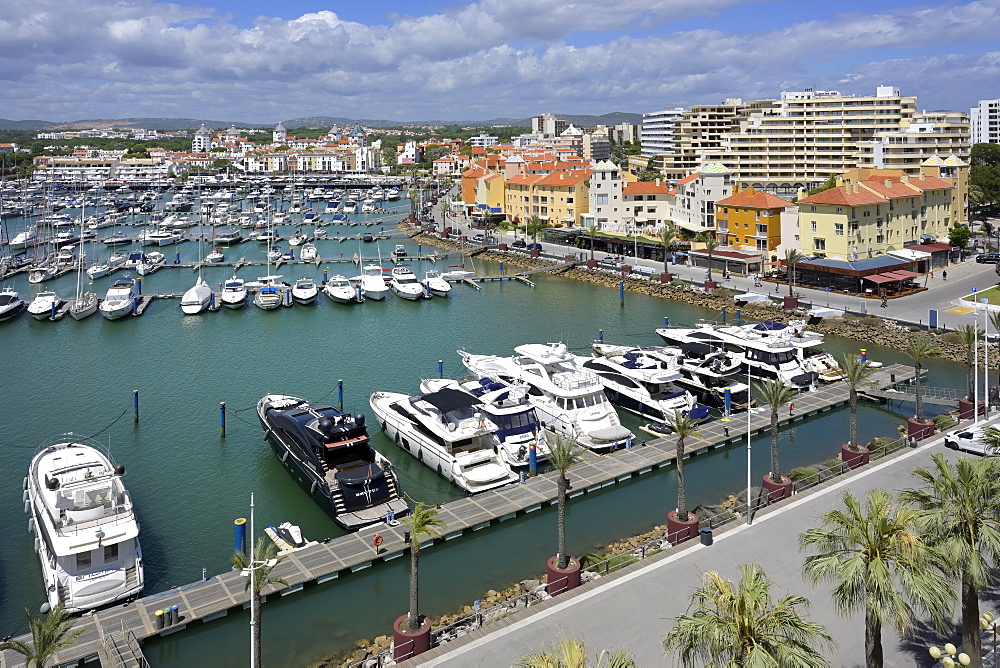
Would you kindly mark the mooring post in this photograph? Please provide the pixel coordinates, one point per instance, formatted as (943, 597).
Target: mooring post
(621, 292)
(340, 395)
(135, 406)
(222, 419)
(440, 368)
(600, 336)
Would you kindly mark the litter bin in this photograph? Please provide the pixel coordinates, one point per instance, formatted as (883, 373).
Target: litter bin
(706, 536)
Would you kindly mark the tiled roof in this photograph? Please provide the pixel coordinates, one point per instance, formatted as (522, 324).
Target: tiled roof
(889, 189)
(688, 179)
(930, 183)
(839, 195)
(754, 200)
(647, 188)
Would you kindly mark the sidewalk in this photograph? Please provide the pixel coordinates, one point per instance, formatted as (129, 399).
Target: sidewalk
(634, 609)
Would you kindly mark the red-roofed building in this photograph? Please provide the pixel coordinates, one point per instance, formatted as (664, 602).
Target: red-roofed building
(750, 220)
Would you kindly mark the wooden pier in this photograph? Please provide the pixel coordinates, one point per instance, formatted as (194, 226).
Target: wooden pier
(322, 562)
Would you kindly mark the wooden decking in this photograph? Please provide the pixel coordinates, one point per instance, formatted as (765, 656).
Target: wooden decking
(319, 563)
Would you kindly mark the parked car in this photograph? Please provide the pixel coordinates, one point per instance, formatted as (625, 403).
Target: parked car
(478, 238)
(991, 258)
(534, 246)
(519, 243)
(969, 440)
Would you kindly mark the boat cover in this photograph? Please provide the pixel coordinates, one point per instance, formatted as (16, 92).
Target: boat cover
(613, 433)
(769, 326)
(450, 399)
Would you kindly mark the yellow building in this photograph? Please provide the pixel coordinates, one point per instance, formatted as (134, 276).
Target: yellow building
(875, 216)
(557, 199)
(750, 220)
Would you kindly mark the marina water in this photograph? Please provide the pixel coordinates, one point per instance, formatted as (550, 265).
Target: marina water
(189, 484)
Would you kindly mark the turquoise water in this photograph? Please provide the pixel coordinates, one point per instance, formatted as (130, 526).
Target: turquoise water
(189, 484)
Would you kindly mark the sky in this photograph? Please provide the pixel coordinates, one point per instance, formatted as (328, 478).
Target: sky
(263, 62)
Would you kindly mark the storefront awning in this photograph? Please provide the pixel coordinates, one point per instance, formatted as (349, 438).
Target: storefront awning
(880, 278)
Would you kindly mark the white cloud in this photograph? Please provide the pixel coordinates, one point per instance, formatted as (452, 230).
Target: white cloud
(63, 60)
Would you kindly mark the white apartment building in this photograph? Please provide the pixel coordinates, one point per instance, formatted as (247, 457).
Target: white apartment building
(986, 122)
(484, 140)
(658, 129)
(931, 133)
(694, 204)
(626, 207)
(547, 125)
(698, 137)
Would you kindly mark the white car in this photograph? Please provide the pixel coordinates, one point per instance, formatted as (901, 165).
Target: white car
(968, 439)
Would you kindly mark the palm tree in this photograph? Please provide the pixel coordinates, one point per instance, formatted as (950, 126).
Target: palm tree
(667, 235)
(776, 394)
(423, 522)
(880, 562)
(919, 349)
(563, 453)
(855, 372)
(991, 439)
(264, 562)
(792, 257)
(591, 231)
(711, 243)
(49, 634)
(969, 334)
(685, 427)
(532, 226)
(963, 509)
(572, 653)
(740, 625)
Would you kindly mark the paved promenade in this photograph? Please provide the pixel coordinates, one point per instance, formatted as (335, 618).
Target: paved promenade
(633, 609)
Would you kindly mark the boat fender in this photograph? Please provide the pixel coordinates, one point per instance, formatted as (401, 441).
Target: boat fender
(439, 469)
(359, 419)
(312, 488)
(31, 526)
(120, 470)
(24, 495)
(24, 484)
(51, 483)
(38, 544)
(267, 432)
(420, 455)
(27, 506)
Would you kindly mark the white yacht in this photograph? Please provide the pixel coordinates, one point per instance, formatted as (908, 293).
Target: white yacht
(350, 206)
(118, 302)
(309, 252)
(298, 238)
(215, 255)
(508, 407)
(304, 291)
(762, 355)
(234, 293)
(85, 305)
(435, 284)
(158, 237)
(448, 432)
(368, 206)
(644, 383)
(228, 237)
(569, 399)
(197, 298)
(373, 282)
(44, 305)
(268, 297)
(23, 239)
(152, 262)
(87, 532)
(404, 284)
(340, 290)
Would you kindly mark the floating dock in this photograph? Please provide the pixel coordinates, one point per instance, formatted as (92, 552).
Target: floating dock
(322, 562)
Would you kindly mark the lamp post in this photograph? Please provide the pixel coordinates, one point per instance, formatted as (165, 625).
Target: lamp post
(749, 514)
(251, 572)
(975, 367)
(948, 654)
(988, 623)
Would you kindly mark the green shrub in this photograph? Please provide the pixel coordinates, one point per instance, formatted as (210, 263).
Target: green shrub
(871, 320)
(678, 283)
(725, 293)
(831, 463)
(942, 422)
(801, 473)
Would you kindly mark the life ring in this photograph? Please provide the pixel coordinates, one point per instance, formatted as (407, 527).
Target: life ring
(377, 539)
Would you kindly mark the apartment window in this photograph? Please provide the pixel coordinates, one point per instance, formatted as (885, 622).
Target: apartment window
(813, 226)
(812, 207)
(569, 200)
(602, 198)
(819, 244)
(838, 229)
(840, 209)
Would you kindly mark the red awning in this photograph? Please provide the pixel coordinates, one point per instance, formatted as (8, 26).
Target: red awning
(905, 273)
(880, 278)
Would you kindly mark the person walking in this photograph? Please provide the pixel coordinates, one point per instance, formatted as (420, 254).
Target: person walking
(885, 302)
(791, 409)
(944, 275)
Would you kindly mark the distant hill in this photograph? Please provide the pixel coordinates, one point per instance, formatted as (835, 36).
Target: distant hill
(165, 124)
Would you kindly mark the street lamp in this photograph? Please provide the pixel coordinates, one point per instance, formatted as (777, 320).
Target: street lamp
(948, 656)
(251, 572)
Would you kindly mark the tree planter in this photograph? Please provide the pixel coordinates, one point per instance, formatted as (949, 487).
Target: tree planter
(559, 580)
(965, 411)
(591, 264)
(678, 531)
(776, 491)
(790, 303)
(406, 644)
(534, 252)
(666, 277)
(626, 269)
(854, 458)
(919, 430)
(502, 247)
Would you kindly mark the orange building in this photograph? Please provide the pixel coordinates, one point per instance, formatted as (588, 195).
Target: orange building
(750, 220)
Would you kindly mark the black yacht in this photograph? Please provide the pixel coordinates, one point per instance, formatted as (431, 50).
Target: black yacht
(329, 454)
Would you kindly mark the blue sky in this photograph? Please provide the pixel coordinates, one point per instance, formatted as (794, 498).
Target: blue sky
(256, 61)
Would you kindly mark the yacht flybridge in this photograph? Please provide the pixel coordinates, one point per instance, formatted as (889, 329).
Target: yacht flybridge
(568, 398)
(447, 431)
(87, 531)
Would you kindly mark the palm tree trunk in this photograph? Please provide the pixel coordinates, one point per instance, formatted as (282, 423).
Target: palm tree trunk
(873, 641)
(682, 513)
(563, 559)
(969, 382)
(775, 464)
(918, 393)
(971, 639)
(853, 442)
(413, 621)
(591, 246)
